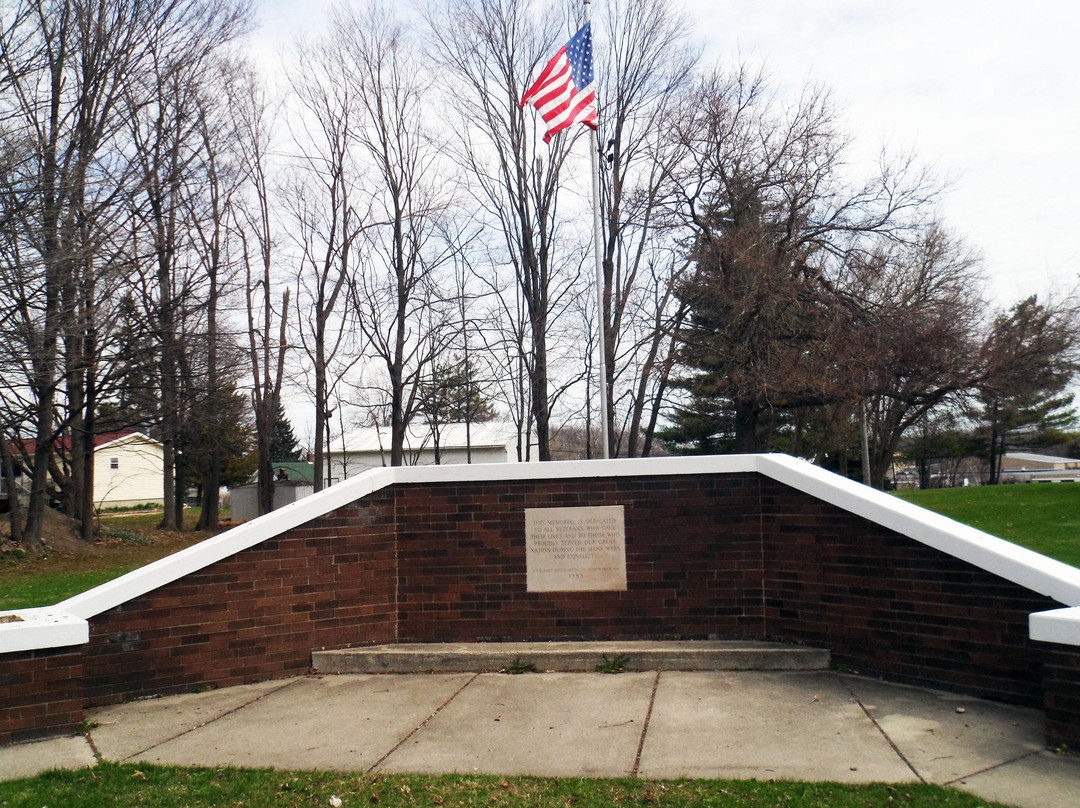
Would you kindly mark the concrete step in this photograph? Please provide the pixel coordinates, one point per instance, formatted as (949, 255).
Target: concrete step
(492, 657)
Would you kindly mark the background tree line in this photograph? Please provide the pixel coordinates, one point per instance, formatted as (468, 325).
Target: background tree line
(185, 243)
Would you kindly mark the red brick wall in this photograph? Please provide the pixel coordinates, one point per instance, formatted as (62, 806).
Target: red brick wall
(1061, 689)
(40, 693)
(887, 604)
(693, 561)
(257, 615)
(719, 556)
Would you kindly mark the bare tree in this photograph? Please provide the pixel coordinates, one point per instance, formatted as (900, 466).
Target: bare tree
(63, 66)
(166, 105)
(645, 62)
(210, 207)
(914, 337)
(321, 202)
(253, 219)
(489, 52)
(402, 311)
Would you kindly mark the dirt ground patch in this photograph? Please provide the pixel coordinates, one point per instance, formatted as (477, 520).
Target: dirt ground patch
(66, 552)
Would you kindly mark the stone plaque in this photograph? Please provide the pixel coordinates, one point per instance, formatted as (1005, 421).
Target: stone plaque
(575, 549)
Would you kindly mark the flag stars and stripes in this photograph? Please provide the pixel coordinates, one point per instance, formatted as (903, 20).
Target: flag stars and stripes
(564, 94)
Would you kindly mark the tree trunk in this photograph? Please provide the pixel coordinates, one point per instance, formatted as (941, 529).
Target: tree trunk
(211, 476)
(35, 547)
(539, 382)
(747, 426)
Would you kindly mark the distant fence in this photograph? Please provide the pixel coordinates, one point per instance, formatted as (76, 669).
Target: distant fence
(758, 547)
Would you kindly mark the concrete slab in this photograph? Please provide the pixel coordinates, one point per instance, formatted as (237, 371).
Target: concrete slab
(762, 725)
(125, 730)
(946, 736)
(1042, 780)
(765, 725)
(30, 759)
(551, 724)
(343, 723)
(492, 657)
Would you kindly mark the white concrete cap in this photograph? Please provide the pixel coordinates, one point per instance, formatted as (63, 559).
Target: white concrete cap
(1012, 562)
(46, 627)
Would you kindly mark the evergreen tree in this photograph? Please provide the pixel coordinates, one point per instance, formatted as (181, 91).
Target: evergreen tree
(1030, 363)
(284, 446)
(231, 430)
(451, 395)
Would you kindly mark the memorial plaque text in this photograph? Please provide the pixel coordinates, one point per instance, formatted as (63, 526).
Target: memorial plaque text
(575, 549)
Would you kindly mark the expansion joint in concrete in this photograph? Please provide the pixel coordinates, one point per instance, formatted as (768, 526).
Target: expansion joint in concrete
(957, 780)
(645, 726)
(884, 734)
(197, 726)
(421, 725)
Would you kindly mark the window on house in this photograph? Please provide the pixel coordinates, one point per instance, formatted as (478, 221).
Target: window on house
(114, 463)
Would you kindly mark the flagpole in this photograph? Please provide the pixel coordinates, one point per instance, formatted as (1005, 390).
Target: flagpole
(594, 147)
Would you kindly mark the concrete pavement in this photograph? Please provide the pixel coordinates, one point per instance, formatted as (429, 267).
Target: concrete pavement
(816, 725)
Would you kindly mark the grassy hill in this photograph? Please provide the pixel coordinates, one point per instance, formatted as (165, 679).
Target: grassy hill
(1044, 517)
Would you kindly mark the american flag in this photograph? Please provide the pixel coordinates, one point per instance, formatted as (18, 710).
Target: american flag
(564, 94)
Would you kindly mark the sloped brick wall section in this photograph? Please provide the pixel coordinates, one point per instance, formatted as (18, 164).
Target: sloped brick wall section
(709, 556)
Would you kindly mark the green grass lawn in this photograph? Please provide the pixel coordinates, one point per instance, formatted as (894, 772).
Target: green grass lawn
(28, 582)
(47, 588)
(1044, 517)
(172, 787)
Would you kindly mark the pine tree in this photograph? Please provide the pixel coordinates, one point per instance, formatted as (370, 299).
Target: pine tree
(452, 395)
(1031, 362)
(284, 446)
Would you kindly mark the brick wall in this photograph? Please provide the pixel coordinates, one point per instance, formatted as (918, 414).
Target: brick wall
(693, 561)
(1061, 691)
(708, 556)
(886, 604)
(40, 693)
(257, 615)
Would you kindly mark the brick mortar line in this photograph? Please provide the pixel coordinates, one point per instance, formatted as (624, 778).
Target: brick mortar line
(236, 709)
(421, 725)
(645, 726)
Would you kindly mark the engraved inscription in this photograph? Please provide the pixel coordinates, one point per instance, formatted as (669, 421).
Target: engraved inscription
(575, 549)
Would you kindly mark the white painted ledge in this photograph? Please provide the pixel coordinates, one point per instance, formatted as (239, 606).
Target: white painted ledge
(1010, 561)
(1036, 572)
(47, 627)
(1057, 625)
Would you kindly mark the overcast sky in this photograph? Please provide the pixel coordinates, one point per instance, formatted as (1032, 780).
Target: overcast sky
(987, 93)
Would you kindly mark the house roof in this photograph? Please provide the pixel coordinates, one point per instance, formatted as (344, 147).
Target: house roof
(28, 446)
(1030, 457)
(297, 471)
(451, 436)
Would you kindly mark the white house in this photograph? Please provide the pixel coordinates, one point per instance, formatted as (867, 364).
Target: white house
(369, 447)
(129, 469)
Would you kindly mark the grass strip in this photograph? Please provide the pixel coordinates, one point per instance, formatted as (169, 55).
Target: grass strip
(48, 588)
(152, 786)
(1044, 517)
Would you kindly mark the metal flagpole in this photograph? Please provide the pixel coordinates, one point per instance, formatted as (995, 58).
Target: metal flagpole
(594, 147)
